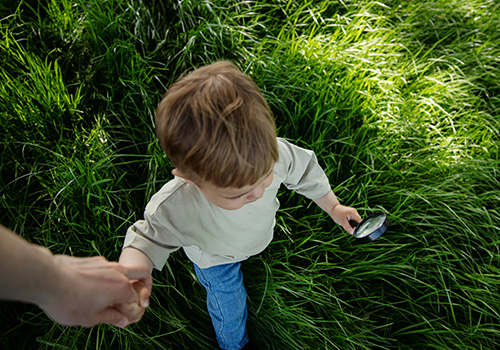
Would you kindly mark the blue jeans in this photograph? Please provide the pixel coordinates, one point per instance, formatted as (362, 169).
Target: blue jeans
(226, 303)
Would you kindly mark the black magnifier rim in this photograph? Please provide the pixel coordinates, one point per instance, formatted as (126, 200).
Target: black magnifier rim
(375, 234)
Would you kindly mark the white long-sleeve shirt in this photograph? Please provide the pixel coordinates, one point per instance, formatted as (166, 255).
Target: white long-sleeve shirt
(179, 216)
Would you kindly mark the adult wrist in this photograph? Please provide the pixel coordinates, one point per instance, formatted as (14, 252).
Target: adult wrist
(49, 283)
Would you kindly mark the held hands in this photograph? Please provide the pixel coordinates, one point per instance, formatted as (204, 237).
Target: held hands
(93, 290)
(342, 214)
(134, 311)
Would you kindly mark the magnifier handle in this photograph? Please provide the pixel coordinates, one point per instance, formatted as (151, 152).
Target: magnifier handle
(353, 223)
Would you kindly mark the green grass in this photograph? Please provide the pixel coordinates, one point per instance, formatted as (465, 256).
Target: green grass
(399, 99)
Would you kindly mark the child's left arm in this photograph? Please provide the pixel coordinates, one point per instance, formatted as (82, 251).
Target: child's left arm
(339, 213)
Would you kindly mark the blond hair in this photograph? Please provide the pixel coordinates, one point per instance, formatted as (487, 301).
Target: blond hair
(215, 126)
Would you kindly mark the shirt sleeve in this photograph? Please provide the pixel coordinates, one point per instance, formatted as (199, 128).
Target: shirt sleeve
(301, 170)
(145, 236)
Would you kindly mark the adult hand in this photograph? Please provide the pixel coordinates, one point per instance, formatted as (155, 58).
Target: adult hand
(89, 289)
(73, 291)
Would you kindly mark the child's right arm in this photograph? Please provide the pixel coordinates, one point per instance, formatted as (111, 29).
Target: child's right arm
(134, 257)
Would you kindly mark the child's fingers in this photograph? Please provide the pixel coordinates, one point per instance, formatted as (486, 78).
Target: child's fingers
(143, 292)
(343, 214)
(351, 216)
(355, 216)
(134, 311)
(346, 226)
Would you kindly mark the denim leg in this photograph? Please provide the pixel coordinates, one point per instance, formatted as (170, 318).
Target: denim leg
(226, 303)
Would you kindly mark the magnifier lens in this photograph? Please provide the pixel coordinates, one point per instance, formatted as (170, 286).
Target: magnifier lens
(370, 226)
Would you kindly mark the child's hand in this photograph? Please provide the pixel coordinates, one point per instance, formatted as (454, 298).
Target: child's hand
(134, 311)
(342, 214)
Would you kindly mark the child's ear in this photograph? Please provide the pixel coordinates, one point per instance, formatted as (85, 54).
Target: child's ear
(177, 172)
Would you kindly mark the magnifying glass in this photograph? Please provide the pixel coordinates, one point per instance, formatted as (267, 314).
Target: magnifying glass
(371, 228)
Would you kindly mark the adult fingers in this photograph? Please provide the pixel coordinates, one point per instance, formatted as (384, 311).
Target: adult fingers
(95, 262)
(132, 311)
(141, 273)
(138, 272)
(111, 316)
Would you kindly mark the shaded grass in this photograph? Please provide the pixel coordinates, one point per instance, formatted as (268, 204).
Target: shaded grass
(399, 100)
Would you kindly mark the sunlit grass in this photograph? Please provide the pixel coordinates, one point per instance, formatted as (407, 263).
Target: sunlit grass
(400, 101)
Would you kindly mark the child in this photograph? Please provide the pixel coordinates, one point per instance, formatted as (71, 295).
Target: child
(217, 130)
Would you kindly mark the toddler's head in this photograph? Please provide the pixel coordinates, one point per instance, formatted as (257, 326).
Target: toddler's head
(216, 127)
